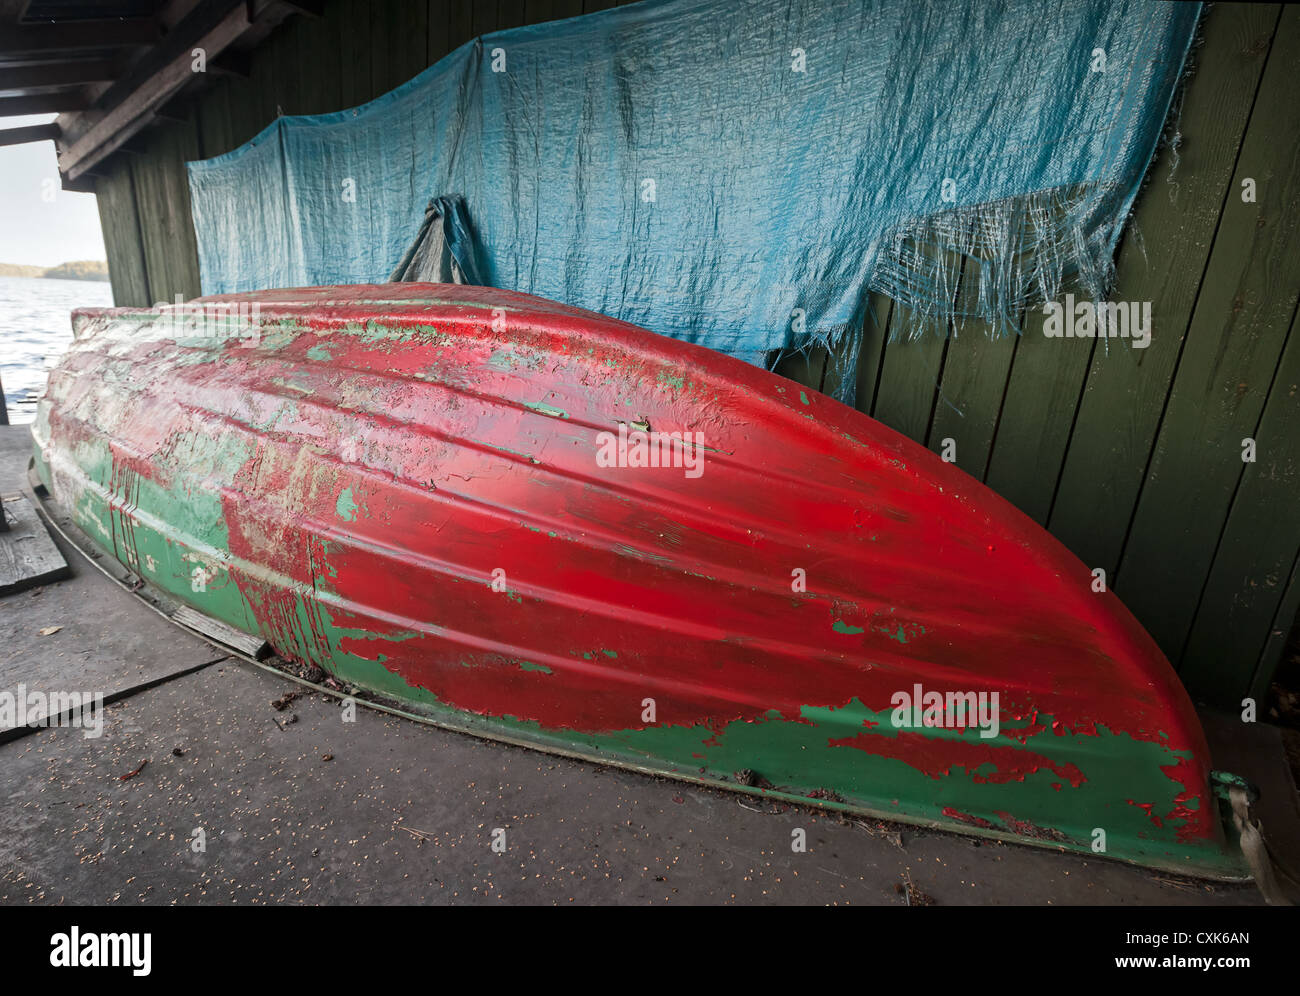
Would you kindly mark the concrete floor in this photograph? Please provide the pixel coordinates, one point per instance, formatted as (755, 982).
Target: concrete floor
(300, 806)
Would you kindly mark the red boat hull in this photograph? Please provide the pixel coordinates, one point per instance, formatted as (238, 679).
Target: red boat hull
(418, 488)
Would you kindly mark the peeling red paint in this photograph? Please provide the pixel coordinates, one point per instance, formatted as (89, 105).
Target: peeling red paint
(967, 818)
(1148, 808)
(937, 757)
(1026, 829)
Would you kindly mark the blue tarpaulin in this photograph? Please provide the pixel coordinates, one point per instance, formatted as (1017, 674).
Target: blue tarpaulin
(734, 174)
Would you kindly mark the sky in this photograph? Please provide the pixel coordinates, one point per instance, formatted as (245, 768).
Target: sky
(42, 224)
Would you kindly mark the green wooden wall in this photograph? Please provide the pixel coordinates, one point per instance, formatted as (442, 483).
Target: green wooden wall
(1133, 458)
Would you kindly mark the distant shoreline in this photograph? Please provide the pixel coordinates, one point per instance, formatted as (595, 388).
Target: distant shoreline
(84, 269)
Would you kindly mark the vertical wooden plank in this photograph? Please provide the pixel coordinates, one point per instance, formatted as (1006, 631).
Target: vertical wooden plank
(414, 22)
(510, 14)
(873, 322)
(1162, 260)
(538, 11)
(1284, 621)
(1038, 411)
(243, 111)
(875, 334)
(383, 43)
(265, 104)
(1256, 553)
(483, 17)
(119, 219)
(399, 43)
(145, 174)
(285, 48)
(460, 23)
(438, 40)
(215, 136)
(318, 78)
(354, 54)
(163, 198)
(912, 368)
(975, 376)
(541, 11)
(1233, 346)
(806, 368)
(909, 377)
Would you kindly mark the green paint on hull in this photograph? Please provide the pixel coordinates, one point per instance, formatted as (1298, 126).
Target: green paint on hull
(545, 409)
(345, 506)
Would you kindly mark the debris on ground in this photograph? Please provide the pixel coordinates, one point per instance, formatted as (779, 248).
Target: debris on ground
(879, 829)
(825, 794)
(911, 894)
(132, 774)
(282, 703)
(50, 630)
(751, 779)
(177, 752)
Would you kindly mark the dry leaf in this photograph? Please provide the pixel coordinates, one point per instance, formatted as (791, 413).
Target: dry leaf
(48, 630)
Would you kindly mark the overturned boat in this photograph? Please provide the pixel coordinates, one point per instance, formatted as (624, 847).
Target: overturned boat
(542, 525)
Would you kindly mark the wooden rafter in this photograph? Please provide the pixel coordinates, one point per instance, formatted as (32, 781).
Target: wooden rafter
(58, 74)
(131, 102)
(44, 103)
(32, 133)
(28, 38)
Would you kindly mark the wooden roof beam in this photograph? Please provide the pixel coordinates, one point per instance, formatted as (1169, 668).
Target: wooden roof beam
(32, 133)
(44, 103)
(131, 102)
(58, 74)
(28, 38)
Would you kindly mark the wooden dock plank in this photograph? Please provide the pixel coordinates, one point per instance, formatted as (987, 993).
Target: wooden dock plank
(251, 646)
(28, 556)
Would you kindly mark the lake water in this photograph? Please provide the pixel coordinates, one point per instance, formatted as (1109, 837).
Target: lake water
(35, 329)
